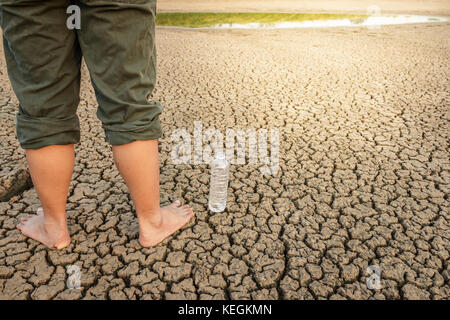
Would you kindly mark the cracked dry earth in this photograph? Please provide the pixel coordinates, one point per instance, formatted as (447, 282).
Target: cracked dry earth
(364, 177)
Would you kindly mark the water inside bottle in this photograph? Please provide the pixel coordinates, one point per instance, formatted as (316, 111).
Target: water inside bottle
(219, 183)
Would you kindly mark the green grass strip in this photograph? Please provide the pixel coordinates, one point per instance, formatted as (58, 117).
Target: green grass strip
(210, 19)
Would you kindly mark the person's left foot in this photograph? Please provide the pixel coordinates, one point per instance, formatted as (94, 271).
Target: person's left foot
(172, 218)
(50, 235)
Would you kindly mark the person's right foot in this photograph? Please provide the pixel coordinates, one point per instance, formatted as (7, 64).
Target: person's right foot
(50, 235)
(173, 218)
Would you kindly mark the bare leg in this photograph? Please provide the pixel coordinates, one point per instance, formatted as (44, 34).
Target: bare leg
(51, 169)
(139, 166)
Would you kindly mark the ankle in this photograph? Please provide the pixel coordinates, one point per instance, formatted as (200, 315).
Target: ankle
(150, 218)
(54, 224)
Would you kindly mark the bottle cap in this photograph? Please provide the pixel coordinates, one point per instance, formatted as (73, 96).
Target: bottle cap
(220, 155)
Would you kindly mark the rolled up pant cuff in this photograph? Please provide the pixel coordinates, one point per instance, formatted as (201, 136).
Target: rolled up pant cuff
(39, 132)
(119, 134)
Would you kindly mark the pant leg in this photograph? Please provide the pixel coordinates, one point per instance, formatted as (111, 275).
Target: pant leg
(117, 42)
(43, 62)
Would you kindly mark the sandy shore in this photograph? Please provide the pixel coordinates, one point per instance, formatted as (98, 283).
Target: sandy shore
(364, 174)
(435, 7)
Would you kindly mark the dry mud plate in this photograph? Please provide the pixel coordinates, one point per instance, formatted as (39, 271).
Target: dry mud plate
(364, 177)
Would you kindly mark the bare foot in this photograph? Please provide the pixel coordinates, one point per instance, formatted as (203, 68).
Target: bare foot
(173, 218)
(51, 235)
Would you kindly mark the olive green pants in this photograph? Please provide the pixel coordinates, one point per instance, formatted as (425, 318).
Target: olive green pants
(43, 57)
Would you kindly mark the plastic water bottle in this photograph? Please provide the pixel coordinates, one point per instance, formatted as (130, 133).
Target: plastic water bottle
(220, 170)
